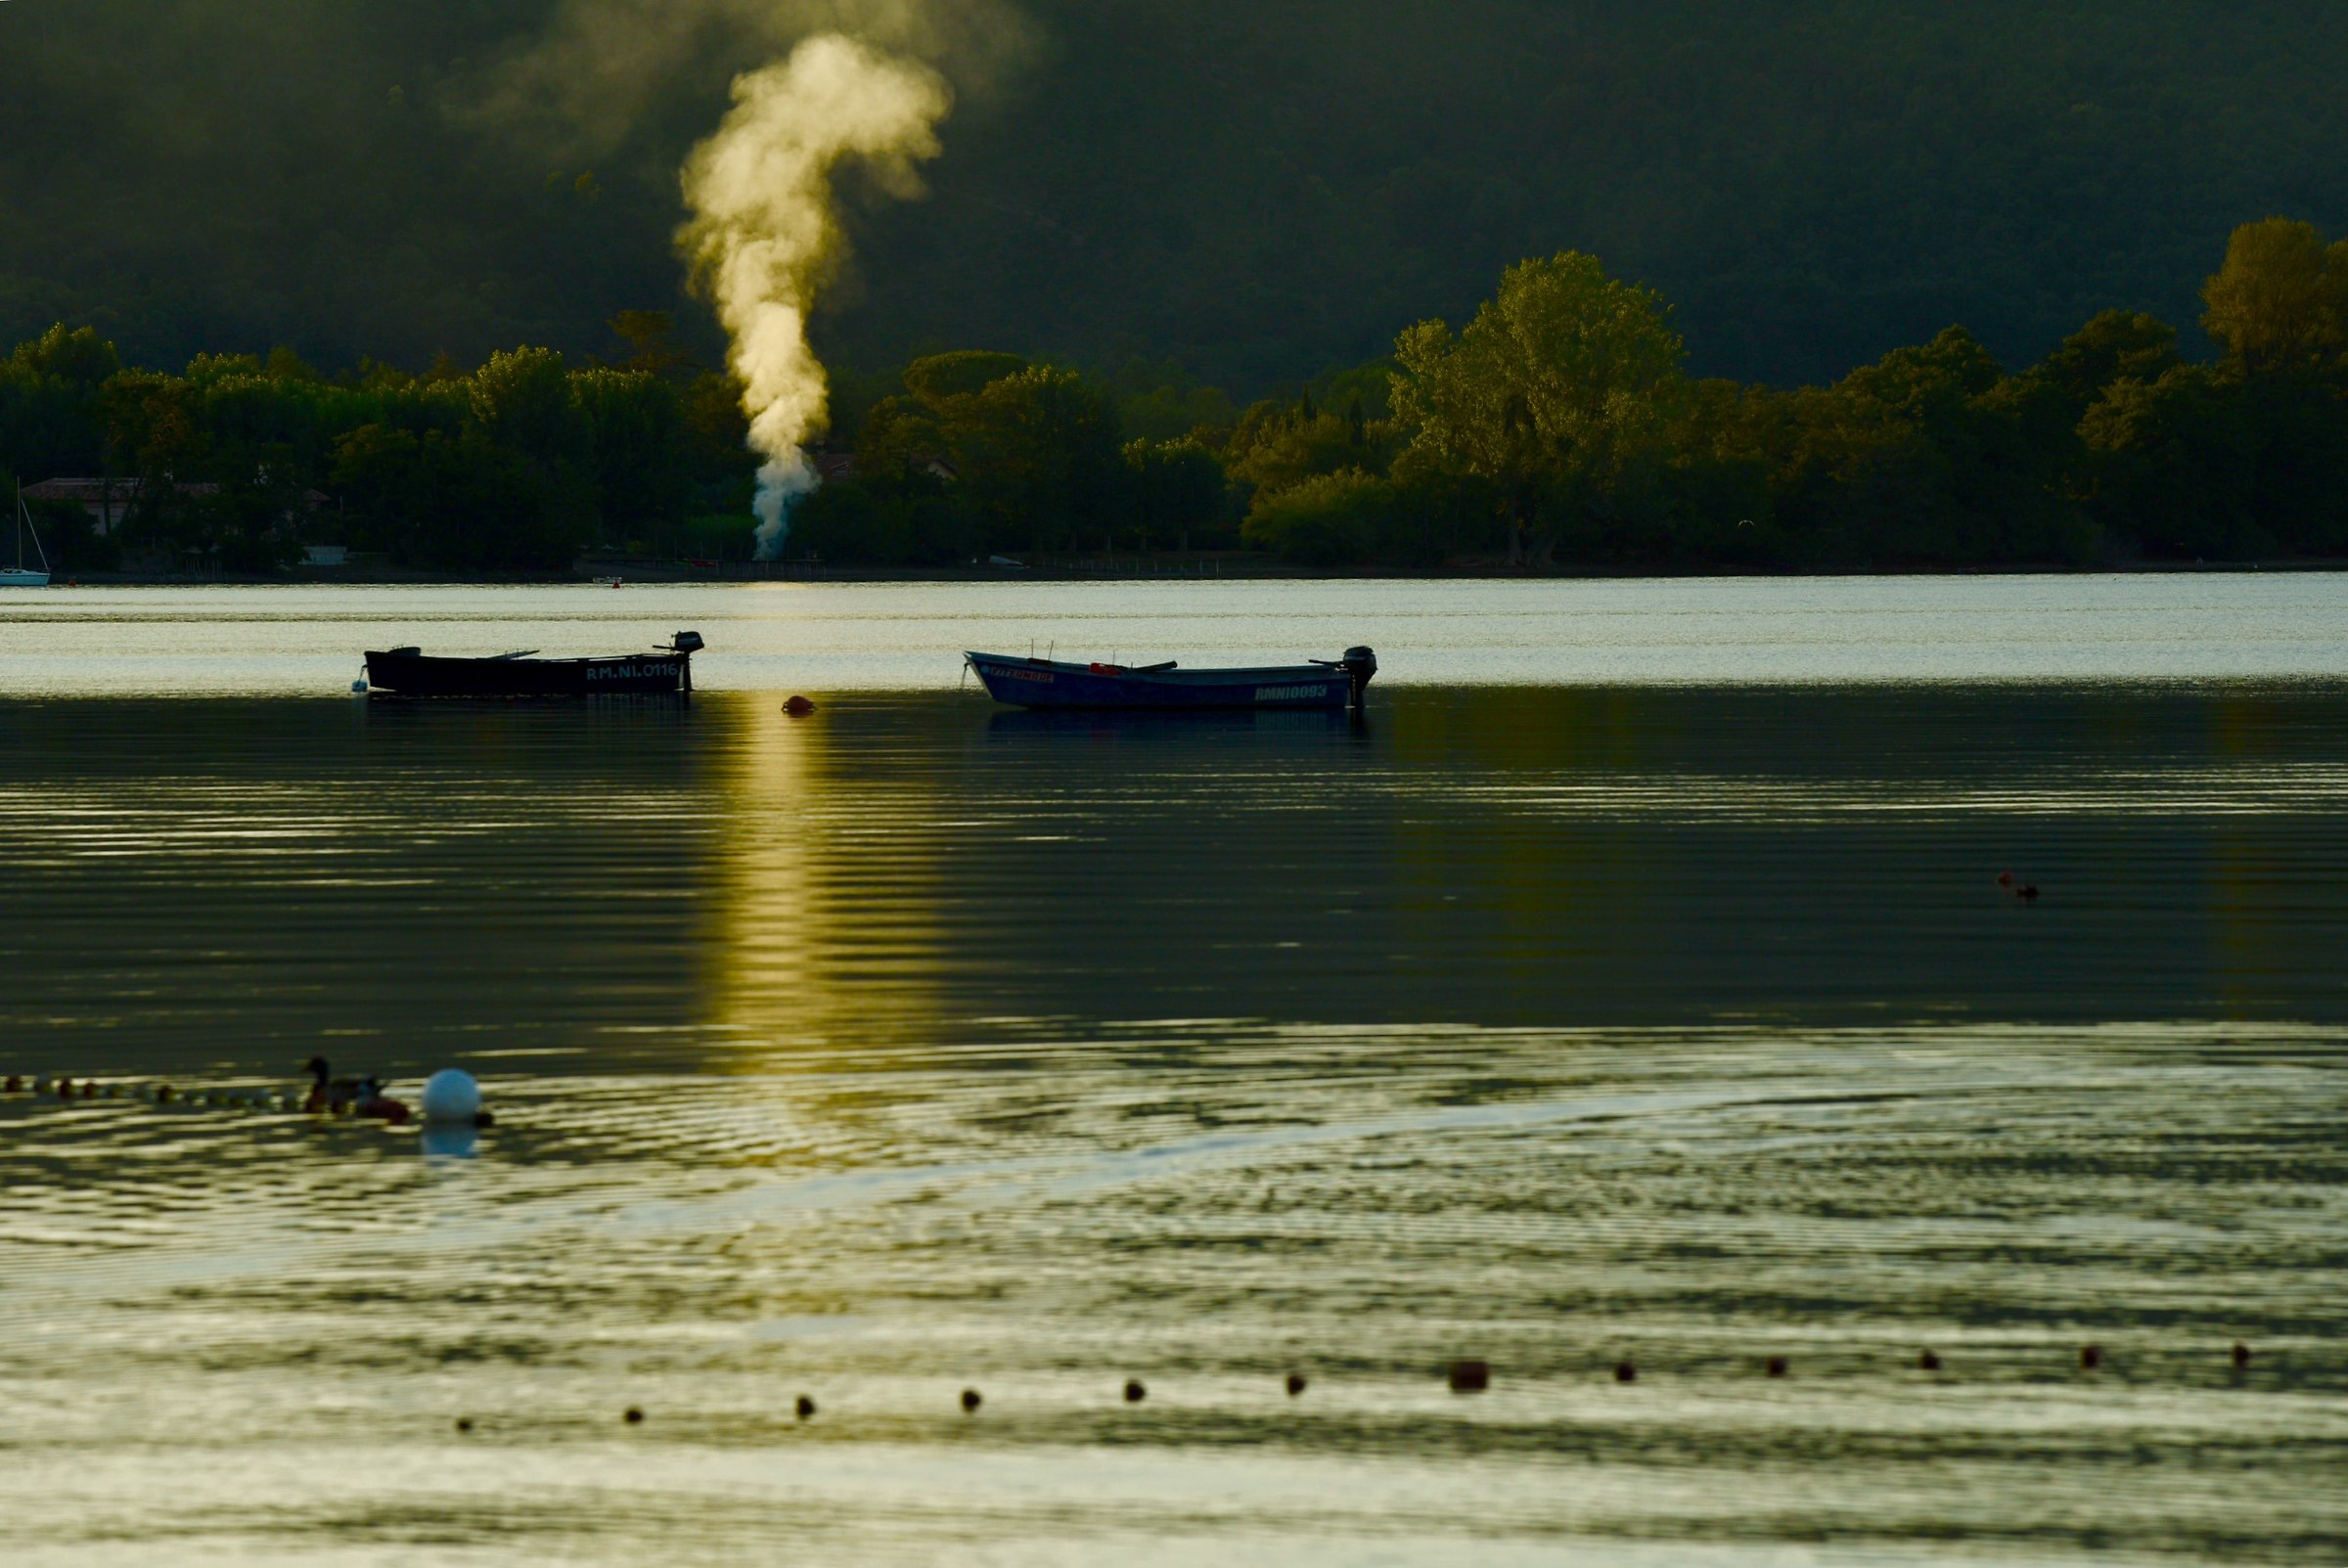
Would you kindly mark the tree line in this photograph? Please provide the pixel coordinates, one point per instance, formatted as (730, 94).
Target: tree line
(1557, 429)
(239, 460)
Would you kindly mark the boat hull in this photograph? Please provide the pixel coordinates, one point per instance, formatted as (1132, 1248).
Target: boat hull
(402, 674)
(1034, 683)
(19, 577)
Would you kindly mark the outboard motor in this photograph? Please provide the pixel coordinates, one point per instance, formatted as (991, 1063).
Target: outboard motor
(1360, 665)
(685, 644)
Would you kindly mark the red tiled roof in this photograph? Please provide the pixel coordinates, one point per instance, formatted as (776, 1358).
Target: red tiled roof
(88, 490)
(82, 490)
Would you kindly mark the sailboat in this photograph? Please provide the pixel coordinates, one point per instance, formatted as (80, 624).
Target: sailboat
(20, 576)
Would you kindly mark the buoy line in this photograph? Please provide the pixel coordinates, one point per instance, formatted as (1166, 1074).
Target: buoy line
(1461, 1376)
(450, 1097)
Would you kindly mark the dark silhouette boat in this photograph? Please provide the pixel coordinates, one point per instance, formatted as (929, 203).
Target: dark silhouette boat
(411, 672)
(1041, 683)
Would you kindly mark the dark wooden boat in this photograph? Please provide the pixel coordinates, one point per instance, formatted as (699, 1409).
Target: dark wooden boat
(410, 672)
(1041, 683)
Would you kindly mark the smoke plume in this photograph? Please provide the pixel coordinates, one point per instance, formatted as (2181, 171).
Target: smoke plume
(597, 72)
(763, 235)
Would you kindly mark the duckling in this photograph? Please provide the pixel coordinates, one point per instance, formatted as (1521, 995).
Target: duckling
(374, 1104)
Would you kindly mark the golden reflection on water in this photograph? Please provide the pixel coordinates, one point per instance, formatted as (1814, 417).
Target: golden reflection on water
(822, 938)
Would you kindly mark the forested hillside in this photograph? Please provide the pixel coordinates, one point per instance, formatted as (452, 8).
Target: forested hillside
(1251, 192)
(1557, 429)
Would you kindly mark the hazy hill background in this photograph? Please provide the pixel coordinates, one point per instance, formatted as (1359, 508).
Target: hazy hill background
(1255, 191)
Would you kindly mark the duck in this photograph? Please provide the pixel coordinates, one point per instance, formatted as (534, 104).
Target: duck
(329, 1093)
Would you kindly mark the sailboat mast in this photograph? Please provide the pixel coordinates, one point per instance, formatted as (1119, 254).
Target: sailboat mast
(25, 521)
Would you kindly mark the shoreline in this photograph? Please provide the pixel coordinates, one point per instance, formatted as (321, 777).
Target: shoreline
(1184, 567)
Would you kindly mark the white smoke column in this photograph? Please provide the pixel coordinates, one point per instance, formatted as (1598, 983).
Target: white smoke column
(763, 235)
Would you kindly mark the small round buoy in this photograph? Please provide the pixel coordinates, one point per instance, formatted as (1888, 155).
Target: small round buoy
(799, 707)
(805, 1407)
(64, 1089)
(1625, 1372)
(2091, 1357)
(359, 689)
(2241, 1354)
(1930, 1361)
(1135, 1392)
(451, 1095)
(634, 1417)
(1295, 1384)
(1468, 1376)
(464, 1424)
(1776, 1366)
(969, 1399)
(2004, 878)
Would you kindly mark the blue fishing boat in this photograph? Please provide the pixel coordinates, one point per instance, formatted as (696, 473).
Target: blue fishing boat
(1041, 683)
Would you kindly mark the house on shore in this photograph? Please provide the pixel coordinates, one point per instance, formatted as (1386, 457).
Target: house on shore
(832, 468)
(109, 502)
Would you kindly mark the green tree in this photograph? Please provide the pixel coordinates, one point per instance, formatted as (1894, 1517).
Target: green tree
(1329, 519)
(1559, 388)
(940, 379)
(2113, 344)
(525, 400)
(717, 445)
(1038, 456)
(76, 354)
(50, 421)
(1175, 492)
(636, 452)
(2281, 300)
(900, 436)
(2175, 463)
(454, 503)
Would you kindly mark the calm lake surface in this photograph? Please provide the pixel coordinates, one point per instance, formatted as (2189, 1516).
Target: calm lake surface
(1632, 983)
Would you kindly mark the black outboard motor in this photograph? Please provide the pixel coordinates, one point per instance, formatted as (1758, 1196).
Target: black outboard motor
(685, 644)
(1360, 665)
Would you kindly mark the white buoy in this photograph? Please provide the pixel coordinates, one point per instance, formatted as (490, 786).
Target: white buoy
(451, 1095)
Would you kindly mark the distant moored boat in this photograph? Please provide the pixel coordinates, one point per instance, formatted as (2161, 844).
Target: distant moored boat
(410, 672)
(20, 576)
(1041, 683)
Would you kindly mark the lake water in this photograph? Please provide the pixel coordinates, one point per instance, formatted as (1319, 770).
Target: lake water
(1632, 983)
